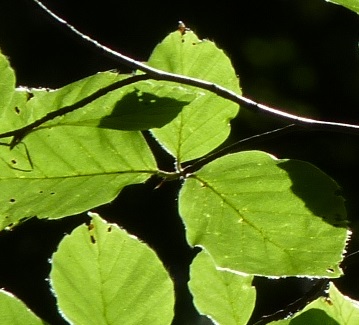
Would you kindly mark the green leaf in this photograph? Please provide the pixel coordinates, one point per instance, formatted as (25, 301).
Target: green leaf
(336, 309)
(259, 215)
(204, 123)
(10, 99)
(102, 275)
(14, 312)
(82, 159)
(350, 4)
(7, 82)
(226, 298)
(68, 170)
(44, 101)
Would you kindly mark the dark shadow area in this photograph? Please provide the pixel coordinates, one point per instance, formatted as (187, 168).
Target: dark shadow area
(319, 192)
(142, 111)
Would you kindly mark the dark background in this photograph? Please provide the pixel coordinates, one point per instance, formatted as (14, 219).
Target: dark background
(298, 55)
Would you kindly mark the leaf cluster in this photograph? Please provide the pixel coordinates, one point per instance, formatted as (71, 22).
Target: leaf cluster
(69, 150)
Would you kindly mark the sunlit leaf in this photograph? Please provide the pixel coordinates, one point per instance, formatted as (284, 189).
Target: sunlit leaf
(10, 99)
(260, 215)
(102, 275)
(204, 123)
(224, 297)
(350, 4)
(14, 312)
(83, 159)
(67, 170)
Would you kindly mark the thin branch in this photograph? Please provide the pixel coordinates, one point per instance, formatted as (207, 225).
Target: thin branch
(20, 133)
(318, 290)
(157, 74)
(239, 144)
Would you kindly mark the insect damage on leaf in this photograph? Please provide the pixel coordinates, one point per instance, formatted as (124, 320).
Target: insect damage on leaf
(90, 227)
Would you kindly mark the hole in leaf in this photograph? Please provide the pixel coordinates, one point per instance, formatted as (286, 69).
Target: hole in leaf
(109, 229)
(12, 200)
(17, 110)
(9, 226)
(13, 161)
(93, 240)
(29, 95)
(328, 301)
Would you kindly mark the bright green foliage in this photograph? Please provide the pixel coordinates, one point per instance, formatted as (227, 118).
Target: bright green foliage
(260, 215)
(71, 158)
(70, 162)
(14, 312)
(9, 99)
(102, 275)
(204, 123)
(71, 166)
(251, 213)
(350, 4)
(336, 309)
(227, 298)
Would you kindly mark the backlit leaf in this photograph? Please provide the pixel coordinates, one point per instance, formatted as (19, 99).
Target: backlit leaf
(69, 170)
(102, 275)
(224, 297)
(10, 99)
(204, 123)
(14, 312)
(260, 215)
(82, 159)
(350, 4)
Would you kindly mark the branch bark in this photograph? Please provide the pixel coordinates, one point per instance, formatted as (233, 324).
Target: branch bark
(318, 290)
(20, 133)
(217, 89)
(157, 74)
